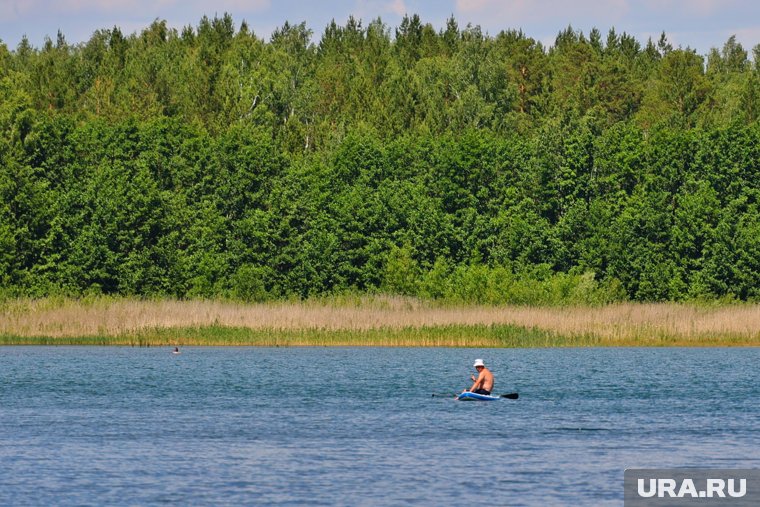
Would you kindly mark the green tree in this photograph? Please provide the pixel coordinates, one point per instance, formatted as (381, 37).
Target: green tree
(677, 90)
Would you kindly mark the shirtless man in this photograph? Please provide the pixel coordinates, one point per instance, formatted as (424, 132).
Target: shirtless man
(484, 383)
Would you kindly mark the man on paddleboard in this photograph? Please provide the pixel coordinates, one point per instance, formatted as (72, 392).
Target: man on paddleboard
(484, 382)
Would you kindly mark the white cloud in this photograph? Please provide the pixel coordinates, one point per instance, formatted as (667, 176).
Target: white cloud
(707, 39)
(77, 19)
(513, 13)
(11, 10)
(235, 5)
(370, 9)
(14, 9)
(748, 37)
(18, 9)
(98, 5)
(398, 7)
(699, 8)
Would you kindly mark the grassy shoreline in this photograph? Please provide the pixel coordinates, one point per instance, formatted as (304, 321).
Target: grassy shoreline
(371, 321)
(494, 336)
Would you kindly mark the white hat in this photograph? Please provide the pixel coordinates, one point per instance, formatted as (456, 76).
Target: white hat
(478, 362)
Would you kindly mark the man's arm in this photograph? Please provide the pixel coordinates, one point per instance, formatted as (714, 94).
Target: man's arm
(478, 382)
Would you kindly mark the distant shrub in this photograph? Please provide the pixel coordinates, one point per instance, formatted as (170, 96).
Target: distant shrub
(481, 284)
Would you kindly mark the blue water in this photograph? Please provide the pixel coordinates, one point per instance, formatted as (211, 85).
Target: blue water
(358, 426)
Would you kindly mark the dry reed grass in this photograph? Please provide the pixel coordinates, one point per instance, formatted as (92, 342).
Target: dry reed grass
(621, 323)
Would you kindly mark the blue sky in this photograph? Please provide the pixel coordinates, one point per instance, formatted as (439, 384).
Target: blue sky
(699, 24)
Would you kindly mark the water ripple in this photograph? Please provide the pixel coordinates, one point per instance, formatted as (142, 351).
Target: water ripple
(257, 426)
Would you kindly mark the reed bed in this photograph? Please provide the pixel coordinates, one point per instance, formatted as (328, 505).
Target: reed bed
(445, 336)
(372, 321)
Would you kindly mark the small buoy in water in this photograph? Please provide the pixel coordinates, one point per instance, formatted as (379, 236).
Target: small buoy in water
(176, 351)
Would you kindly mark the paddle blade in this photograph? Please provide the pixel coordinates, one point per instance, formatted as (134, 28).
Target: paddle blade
(511, 396)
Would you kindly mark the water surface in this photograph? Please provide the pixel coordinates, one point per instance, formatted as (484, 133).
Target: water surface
(358, 426)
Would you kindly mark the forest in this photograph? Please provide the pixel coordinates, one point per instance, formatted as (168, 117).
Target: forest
(444, 164)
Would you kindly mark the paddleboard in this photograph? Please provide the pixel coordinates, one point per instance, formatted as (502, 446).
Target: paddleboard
(468, 396)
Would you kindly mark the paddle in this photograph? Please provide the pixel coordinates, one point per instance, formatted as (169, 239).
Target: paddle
(511, 396)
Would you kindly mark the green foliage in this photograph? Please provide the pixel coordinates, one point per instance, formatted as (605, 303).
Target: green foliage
(536, 286)
(450, 165)
(401, 272)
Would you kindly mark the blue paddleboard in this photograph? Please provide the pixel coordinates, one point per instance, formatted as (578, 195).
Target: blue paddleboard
(468, 396)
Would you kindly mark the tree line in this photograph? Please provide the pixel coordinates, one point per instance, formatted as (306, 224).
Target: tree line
(451, 164)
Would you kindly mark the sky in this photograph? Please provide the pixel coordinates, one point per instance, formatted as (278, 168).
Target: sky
(698, 24)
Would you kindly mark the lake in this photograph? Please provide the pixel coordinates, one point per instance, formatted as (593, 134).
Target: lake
(359, 426)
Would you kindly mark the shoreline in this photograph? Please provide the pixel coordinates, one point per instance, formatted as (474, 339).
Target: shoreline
(377, 320)
(494, 336)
